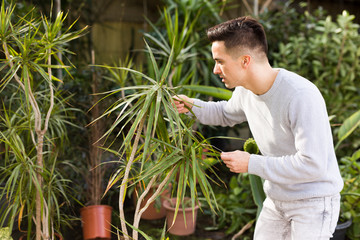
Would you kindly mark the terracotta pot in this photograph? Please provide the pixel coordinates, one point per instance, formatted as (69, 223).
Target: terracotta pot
(96, 222)
(179, 227)
(153, 211)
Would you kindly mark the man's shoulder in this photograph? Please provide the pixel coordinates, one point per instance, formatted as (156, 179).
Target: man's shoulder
(296, 83)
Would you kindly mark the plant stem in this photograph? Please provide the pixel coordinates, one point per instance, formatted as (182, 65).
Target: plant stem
(126, 178)
(96, 171)
(343, 40)
(138, 211)
(40, 135)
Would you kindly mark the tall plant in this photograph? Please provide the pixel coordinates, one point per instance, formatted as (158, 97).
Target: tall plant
(153, 131)
(30, 45)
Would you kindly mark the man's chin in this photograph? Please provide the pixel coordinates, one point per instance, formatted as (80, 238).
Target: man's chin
(228, 86)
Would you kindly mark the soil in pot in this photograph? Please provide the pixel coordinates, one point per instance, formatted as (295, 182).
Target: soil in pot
(179, 227)
(96, 221)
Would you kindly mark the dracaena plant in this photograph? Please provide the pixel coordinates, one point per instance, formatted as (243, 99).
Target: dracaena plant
(152, 130)
(30, 47)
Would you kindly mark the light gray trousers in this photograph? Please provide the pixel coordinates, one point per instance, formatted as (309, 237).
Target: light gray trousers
(310, 219)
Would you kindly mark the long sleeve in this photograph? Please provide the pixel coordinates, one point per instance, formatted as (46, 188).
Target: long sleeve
(222, 113)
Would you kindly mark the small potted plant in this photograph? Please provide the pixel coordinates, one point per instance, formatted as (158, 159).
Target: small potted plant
(155, 209)
(96, 217)
(181, 221)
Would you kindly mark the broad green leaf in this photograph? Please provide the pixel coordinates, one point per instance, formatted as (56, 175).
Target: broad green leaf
(349, 125)
(257, 191)
(220, 93)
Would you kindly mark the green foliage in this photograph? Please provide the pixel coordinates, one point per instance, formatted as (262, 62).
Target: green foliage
(256, 182)
(166, 138)
(349, 126)
(236, 207)
(250, 146)
(5, 233)
(350, 172)
(216, 92)
(186, 21)
(33, 117)
(286, 20)
(350, 204)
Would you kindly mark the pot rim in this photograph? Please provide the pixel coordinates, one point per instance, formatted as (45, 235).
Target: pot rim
(343, 225)
(167, 205)
(95, 206)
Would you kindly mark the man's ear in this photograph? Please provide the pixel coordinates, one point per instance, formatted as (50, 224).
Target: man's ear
(245, 61)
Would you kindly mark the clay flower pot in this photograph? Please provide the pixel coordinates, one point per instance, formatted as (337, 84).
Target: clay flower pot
(179, 227)
(96, 220)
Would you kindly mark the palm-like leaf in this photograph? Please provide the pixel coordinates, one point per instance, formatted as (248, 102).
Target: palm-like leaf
(167, 139)
(33, 184)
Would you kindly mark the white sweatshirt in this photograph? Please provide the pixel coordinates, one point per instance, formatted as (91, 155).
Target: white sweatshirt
(290, 124)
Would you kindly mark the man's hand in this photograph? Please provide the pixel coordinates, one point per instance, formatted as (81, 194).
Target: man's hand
(236, 161)
(183, 103)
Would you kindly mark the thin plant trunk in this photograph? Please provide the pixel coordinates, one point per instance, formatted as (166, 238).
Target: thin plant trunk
(39, 143)
(39, 163)
(138, 211)
(126, 178)
(39, 133)
(39, 156)
(96, 171)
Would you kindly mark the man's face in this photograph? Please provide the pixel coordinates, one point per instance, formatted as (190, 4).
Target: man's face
(227, 66)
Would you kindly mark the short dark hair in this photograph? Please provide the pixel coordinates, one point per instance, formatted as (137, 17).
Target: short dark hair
(244, 32)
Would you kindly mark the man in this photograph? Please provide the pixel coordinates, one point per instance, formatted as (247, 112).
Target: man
(288, 120)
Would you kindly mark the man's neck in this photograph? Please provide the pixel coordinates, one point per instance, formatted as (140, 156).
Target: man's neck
(263, 77)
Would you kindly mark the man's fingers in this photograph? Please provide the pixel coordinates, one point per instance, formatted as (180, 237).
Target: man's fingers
(182, 103)
(226, 156)
(236, 161)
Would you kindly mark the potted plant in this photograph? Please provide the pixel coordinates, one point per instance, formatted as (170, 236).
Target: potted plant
(32, 121)
(149, 125)
(155, 209)
(96, 221)
(95, 217)
(183, 221)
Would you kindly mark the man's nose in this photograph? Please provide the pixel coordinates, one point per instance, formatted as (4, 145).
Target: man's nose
(216, 69)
